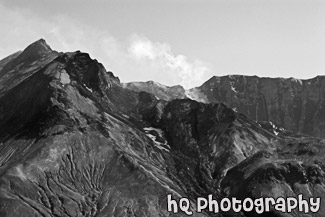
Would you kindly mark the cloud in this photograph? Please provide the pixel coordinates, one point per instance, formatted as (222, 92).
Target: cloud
(137, 59)
(21, 27)
(160, 55)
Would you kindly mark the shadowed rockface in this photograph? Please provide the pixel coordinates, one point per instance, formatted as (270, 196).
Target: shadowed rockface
(75, 142)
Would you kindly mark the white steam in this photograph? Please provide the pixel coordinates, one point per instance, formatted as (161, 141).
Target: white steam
(176, 66)
(139, 59)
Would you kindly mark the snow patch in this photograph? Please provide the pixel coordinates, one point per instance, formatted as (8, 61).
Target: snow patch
(88, 89)
(126, 116)
(162, 146)
(233, 89)
(275, 129)
(155, 129)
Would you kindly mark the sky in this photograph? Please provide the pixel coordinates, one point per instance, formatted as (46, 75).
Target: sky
(176, 41)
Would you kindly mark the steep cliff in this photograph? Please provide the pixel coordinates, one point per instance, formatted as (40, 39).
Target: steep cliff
(296, 105)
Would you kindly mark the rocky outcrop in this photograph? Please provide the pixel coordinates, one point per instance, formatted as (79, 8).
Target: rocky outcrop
(280, 174)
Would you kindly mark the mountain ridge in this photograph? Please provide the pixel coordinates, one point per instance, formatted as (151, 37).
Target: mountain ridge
(293, 104)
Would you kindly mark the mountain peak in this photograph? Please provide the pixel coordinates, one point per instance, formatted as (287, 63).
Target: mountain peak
(33, 54)
(39, 46)
(35, 51)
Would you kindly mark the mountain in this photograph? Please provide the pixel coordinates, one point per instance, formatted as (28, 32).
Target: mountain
(293, 104)
(74, 141)
(67, 149)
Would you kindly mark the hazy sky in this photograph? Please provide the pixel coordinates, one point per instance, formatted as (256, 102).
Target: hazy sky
(176, 41)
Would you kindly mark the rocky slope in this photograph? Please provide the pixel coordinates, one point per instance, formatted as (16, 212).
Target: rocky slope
(66, 148)
(293, 104)
(75, 142)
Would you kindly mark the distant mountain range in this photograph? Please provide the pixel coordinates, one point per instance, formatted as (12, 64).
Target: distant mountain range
(293, 104)
(75, 141)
